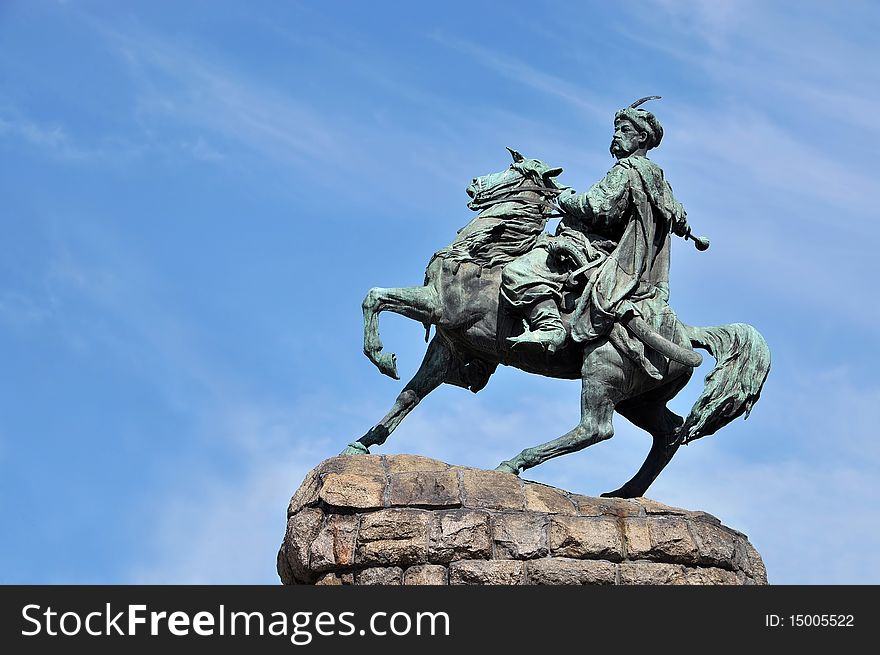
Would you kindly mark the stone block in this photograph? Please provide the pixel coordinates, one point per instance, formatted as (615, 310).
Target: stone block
(307, 494)
(651, 573)
(637, 541)
(520, 535)
(654, 508)
(541, 498)
(283, 566)
(354, 491)
(302, 528)
(459, 534)
(492, 490)
(334, 546)
(413, 463)
(354, 465)
(406, 519)
(671, 540)
(380, 575)
(592, 506)
(749, 561)
(566, 571)
(705, 517)
(426, 574)
(425, 489)
(486, 572)
(393, 537)
(709, 576)
(585, 537)
(716, 545)
(394, 523)
(335, 579)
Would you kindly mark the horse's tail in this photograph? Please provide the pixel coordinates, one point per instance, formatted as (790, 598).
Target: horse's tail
(734, 385)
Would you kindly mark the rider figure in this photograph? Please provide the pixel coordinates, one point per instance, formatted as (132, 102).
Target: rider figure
(626, 217)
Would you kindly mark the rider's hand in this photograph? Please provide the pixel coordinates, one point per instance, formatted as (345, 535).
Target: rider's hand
(564, 200)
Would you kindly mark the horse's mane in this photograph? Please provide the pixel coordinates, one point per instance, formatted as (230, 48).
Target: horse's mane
(497, 236)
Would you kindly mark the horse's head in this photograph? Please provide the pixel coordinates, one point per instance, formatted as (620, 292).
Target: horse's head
(522, 171)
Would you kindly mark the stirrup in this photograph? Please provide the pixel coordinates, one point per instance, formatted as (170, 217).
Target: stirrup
(549, 340)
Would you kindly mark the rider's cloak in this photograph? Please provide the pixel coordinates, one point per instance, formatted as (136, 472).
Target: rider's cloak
(635, 276)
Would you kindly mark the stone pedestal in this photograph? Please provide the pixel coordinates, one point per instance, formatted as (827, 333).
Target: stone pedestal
(404, 519)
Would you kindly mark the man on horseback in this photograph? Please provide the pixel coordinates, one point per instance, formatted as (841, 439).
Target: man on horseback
(620, 226)
(630, 351)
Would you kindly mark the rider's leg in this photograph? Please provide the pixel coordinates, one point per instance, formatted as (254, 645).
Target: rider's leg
(532, 284)
(545, 327)
(431, 374)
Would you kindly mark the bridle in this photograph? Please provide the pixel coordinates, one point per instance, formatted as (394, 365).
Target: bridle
(509, 192)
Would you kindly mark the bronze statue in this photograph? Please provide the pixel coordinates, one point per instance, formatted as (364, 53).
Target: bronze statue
(590, 302)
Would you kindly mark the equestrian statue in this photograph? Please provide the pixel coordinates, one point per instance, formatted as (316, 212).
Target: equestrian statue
(589, 302)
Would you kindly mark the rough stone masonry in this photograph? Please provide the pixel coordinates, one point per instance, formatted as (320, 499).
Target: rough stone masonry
(405, 519)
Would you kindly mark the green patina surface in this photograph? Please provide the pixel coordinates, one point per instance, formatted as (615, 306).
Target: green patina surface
(590, 302)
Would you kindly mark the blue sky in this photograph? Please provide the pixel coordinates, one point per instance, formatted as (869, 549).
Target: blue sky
(196, 197)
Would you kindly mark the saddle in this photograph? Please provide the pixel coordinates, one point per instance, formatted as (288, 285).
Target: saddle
(645, 332)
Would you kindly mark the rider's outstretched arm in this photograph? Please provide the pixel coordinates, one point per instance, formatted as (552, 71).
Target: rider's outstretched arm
(603, 204)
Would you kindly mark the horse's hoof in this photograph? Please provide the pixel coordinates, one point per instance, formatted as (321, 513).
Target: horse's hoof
(506, 467)
(355, 448)
(387, 364)
(619, 493)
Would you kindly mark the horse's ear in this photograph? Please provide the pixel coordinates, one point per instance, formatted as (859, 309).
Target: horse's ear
(552, 172)
(517, 158)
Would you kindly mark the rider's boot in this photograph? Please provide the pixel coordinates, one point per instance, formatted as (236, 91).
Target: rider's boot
(545, 327)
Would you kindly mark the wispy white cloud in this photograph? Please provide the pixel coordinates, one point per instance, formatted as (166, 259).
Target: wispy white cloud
(196, 89)
(777, 54)
(225, 528)
(789, 220)
(528, 75)
(796, 505)
(201, 150)
(21, 311)
(809, 495)
(803, 487)
(47, 137)
(811, 525)
(713, 22)
(744, 141)
(222, 528)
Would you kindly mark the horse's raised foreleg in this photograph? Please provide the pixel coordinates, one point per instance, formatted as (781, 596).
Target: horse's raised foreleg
(597, 409)
(431, 374)
(417, 303)
(663, 425)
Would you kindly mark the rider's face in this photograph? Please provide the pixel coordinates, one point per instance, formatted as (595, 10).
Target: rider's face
(627, 139)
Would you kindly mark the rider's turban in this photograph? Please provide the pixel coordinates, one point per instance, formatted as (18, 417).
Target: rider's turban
(644, 121)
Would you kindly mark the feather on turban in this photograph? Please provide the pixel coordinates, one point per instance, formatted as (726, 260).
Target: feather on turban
(643, 120)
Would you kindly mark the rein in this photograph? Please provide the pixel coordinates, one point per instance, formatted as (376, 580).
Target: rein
(504, 193)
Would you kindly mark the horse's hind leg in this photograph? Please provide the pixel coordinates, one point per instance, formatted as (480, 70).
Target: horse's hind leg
(595, 426)
(417, 303)
(431, 374)
(663, 424)
(603, 376)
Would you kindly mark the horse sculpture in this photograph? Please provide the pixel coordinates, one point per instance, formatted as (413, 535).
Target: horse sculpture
(461, 298)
